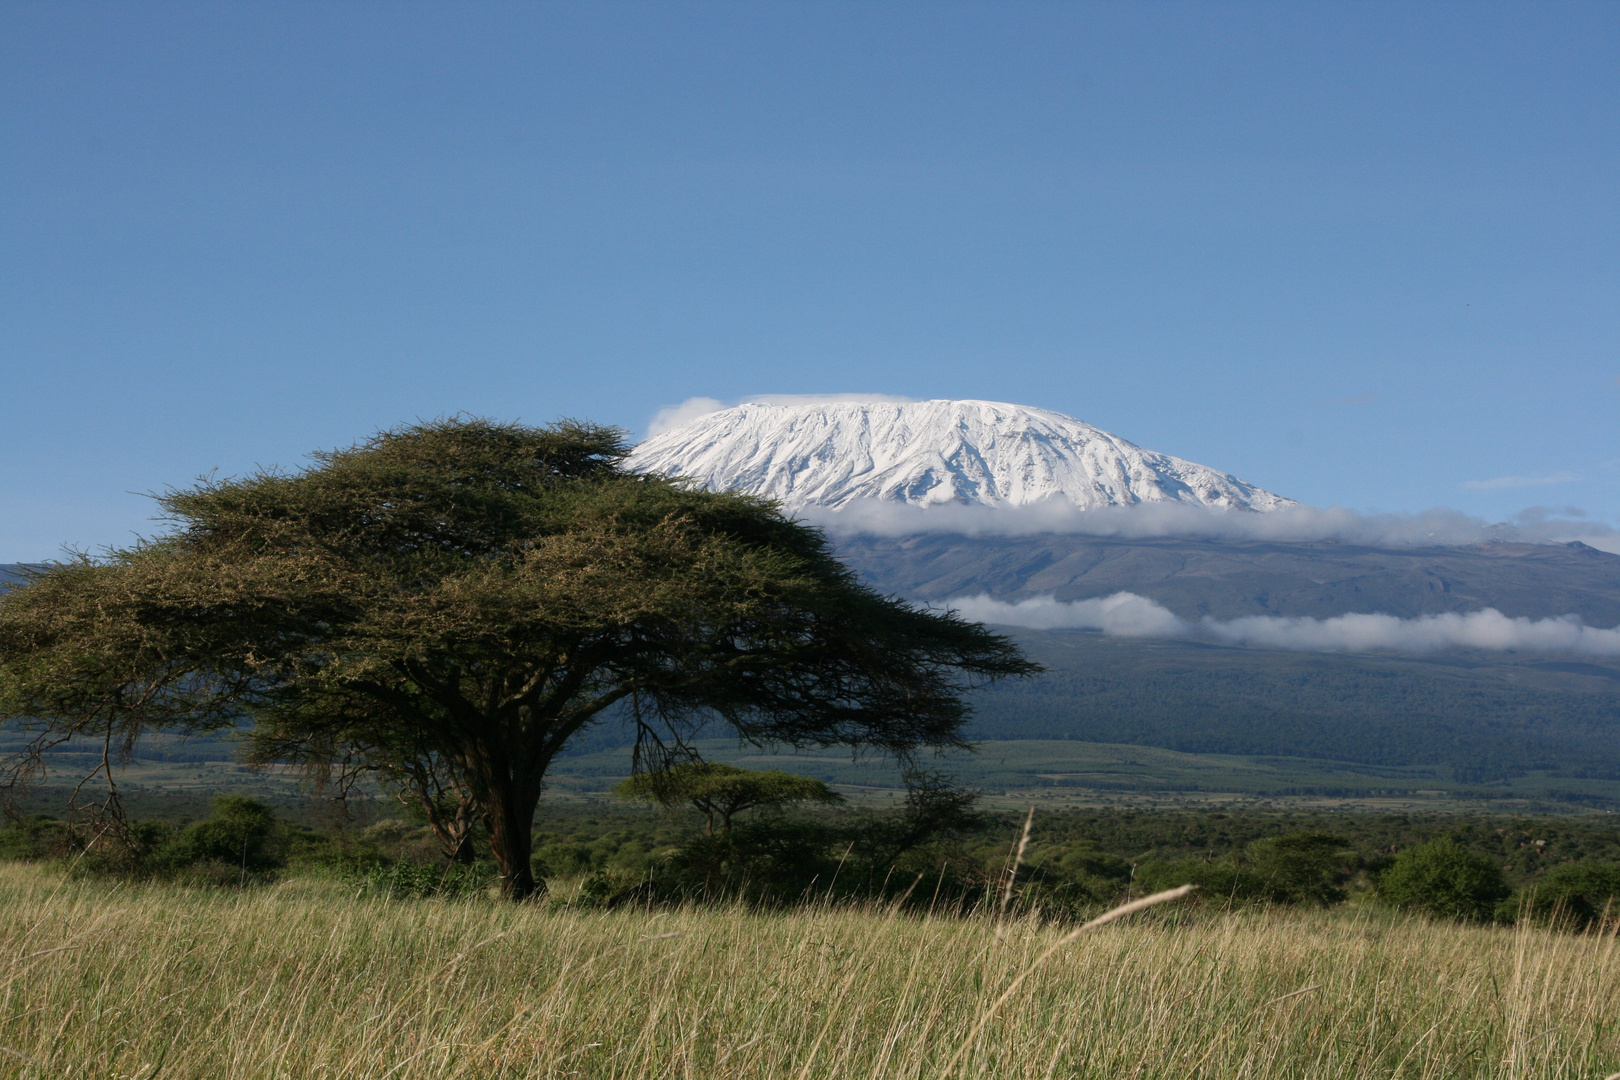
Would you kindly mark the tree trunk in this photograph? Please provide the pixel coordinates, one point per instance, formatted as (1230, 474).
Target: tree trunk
(454, 836)
(462, 853)
(511, 840)
(466, 816)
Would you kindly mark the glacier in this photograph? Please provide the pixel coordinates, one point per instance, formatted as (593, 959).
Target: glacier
(932, 453)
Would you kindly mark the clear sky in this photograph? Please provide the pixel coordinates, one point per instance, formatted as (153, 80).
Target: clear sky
(1361, 254)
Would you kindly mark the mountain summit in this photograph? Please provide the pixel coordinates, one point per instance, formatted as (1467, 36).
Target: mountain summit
(926, 452)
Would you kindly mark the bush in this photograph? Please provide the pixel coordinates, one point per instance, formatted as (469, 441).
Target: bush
(1219, 881)
(421, 880)
(765, 861)
(239, 838)
(1443, 879)
(1300, 868)
(35, 838)
(1579, 893)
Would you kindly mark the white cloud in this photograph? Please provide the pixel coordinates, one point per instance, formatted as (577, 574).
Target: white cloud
(1498, 482)
(1120, 615)
(674, 416)
(1129, 615)
(1488, 629)
(1432, 528)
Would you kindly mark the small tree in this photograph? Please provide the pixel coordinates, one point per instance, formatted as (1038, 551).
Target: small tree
(935, 808)
(1444, 879)
(722, 791)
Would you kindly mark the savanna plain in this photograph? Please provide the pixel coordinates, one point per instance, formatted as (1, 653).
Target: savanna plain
(305, 978)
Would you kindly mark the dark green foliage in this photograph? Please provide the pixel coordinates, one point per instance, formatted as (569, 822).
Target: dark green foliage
(240, 841)
(447, 605)
(241, 833)
(1525, 847)
(606, 888)
(619, 851)
(1296, 868)
(1444, 879)
(1083, 859)
(771, 860)
(1073, 877)
(723, 791)
(1303, 868)
(1579, 893)
(783, 858)
(408, 880)
(34, 839)
(925, 835)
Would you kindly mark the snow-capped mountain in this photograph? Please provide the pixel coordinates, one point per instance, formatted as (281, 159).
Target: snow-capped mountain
(927, 452)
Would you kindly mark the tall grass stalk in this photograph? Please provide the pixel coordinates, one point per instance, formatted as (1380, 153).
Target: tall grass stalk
(304, 980)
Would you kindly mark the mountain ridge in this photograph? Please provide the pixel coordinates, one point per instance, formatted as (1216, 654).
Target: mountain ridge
(972, 452)
(1227, 579)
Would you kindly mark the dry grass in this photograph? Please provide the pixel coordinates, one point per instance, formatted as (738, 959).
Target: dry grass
(301, 980)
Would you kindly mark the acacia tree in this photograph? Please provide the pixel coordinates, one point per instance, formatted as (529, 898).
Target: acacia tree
(723, 791)
(464, 597)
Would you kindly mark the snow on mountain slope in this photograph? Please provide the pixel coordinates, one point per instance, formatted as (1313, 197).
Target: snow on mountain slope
(929, 452)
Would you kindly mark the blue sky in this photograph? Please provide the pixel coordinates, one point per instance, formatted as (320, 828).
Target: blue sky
(1362, 254)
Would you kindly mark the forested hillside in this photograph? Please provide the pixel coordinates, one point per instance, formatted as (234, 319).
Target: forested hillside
(1486, 716)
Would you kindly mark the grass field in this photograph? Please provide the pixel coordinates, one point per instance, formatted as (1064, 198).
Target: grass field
(302, 979)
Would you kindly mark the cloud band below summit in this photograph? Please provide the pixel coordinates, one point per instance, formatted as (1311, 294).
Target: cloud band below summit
(1128, 615)
(1432, 528)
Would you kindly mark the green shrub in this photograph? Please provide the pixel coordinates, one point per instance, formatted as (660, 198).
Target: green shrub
(1300, 868)
(240, 837)
(767, 861)
(1443, 879)
(608, 888)
(1580, 893)
(33, 839)
(421, 880)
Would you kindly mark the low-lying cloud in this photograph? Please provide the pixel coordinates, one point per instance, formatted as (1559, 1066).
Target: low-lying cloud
(1123, 614)
(1431, 528)
(1128, 615)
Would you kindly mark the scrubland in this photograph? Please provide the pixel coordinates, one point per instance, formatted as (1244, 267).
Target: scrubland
(305, 979)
